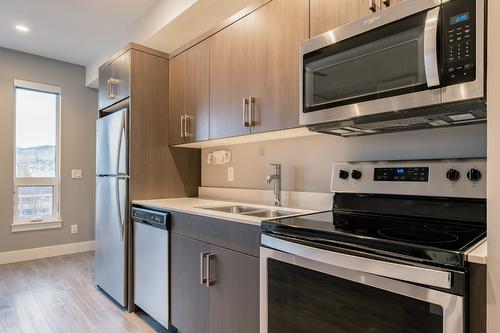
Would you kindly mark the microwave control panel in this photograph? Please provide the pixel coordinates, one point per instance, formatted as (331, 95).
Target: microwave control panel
(459, 58)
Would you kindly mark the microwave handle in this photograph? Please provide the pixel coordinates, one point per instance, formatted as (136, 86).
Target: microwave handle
(430, 47)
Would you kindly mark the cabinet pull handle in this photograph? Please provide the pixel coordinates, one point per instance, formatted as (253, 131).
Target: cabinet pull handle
(372, 4)
(203, 279)
(182, 126)
(187, 130)
(245, 107)
(209, 282)
(111, 83)
(251, 111)
(107, 88)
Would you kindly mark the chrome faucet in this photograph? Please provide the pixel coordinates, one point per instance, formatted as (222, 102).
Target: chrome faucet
(276, 176)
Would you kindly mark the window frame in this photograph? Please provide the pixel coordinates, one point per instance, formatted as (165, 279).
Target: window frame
(47, 222)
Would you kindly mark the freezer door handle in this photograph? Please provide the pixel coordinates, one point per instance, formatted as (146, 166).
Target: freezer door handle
(121, 144)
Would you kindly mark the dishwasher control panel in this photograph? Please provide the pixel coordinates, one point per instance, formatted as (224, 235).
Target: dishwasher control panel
(152, 217)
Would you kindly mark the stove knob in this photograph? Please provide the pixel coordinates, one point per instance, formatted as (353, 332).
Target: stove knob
(474, 175)
(355, 174)
(453, 175)
(343, 174)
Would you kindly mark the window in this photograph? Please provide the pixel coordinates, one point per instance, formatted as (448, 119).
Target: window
(36, 156)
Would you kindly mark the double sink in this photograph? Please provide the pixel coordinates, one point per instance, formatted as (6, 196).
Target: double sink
(252, 211)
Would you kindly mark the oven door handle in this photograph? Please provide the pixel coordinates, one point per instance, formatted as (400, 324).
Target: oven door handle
(430, 47)
(420, 275)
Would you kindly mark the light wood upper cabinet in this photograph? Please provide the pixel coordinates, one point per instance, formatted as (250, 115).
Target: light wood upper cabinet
(114, 81)
(230, 65)
(329, 14)
(278, 29)
(256, 59)
(177, 89)
(189, 95)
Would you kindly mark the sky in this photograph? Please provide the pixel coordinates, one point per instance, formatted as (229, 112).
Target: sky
(35, 118)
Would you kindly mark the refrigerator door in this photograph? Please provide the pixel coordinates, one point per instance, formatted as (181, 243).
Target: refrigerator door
(112, 144)
(110, 252)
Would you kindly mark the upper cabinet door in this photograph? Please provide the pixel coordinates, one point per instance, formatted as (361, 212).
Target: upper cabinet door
(114, 81)
(177, 89)
(189, 95)
(254, 66)
(230, 64)
(278, 29)
(198, 103)
(329, 14)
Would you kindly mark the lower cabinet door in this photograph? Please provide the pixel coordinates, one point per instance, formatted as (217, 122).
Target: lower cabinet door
(189, 298)
(234, 292)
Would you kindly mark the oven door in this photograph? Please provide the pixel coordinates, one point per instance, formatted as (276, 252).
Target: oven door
(305, 289)
(386, 62)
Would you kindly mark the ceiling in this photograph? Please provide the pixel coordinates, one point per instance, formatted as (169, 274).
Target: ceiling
(74, 31)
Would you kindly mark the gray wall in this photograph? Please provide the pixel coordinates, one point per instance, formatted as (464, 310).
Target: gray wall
(78, 114)
(306, 162)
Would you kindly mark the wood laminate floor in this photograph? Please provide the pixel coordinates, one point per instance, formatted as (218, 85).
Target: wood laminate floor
(58, 295)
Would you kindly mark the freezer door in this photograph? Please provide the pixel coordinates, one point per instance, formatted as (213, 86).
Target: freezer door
(112, 144)
(110, 252)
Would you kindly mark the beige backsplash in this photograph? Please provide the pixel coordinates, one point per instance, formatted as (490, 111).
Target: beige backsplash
(306, 162)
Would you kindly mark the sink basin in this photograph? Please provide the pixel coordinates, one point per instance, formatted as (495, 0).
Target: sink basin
(271, 213)
(233, 209)
(251, 211)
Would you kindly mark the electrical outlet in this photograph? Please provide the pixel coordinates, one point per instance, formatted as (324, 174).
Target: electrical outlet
(76, 174)
(230, 174)
(74, 228)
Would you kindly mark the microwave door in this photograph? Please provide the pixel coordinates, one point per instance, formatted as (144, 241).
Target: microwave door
(391, 67)
(112, 144)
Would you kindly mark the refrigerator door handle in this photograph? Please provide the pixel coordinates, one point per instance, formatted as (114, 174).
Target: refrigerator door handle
(121, 222)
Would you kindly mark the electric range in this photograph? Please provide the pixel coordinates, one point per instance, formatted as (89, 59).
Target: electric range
(393, 247)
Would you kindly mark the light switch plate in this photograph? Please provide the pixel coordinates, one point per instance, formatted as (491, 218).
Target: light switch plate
(74, 228)
(76, 173)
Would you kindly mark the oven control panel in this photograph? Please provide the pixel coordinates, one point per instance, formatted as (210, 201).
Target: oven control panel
(459, 44)
(450, 178)
(415, 174)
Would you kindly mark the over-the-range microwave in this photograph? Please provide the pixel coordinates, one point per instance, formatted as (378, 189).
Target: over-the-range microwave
(417, 64)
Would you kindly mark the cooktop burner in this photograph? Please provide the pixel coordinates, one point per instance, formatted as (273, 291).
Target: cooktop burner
(418, 235)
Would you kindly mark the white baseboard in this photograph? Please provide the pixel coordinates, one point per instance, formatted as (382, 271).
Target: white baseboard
(46, 252)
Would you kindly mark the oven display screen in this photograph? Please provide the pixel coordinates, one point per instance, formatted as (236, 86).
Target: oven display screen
(459, 18)
(414, 174)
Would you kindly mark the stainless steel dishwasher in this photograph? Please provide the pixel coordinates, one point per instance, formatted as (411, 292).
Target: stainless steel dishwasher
(151, 262)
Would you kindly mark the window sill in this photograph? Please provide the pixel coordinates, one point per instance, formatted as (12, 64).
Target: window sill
(40, 225)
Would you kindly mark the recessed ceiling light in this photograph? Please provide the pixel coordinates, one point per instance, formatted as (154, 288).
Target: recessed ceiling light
(22, 28)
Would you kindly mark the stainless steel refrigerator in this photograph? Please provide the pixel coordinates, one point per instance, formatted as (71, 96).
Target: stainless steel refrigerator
(112, 204)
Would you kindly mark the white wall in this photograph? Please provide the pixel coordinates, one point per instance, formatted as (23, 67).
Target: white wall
(78, 115)
(306, 162)
(493, 165)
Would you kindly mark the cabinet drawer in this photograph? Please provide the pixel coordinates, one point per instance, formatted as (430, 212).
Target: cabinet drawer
(114, 81)
(237, 236)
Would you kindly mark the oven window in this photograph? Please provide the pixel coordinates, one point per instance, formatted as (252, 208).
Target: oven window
(304, 301)
(384, 62)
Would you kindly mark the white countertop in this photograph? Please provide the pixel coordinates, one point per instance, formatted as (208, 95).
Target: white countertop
(479, 254)
(195, 206)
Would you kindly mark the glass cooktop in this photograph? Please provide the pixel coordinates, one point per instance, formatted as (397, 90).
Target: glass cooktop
(421, 239)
